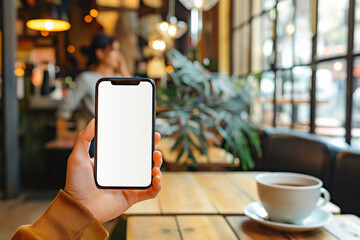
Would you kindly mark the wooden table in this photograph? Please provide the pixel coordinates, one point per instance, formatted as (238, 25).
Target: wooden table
(191, 227)
(224, 193)
(218, 157)
(209, 205)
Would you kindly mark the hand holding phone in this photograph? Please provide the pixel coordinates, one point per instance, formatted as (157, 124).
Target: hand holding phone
(104, 204)
(124, 130)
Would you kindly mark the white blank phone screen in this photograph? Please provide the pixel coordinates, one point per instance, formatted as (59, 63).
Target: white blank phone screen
(124, 134)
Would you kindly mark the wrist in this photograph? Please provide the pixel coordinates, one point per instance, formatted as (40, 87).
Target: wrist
(84, 202)
(74, 218)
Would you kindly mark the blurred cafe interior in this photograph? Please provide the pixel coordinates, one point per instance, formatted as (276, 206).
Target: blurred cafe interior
(281, 76)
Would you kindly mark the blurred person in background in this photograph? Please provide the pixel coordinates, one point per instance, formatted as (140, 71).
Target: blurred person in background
(71, 68)
(104, 60)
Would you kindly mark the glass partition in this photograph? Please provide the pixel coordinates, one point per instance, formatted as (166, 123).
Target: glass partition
(284, 33)
(303, 34)
(301, 97)
(1, 115)
(236, 46)
(267, 88)
(256, 7)
(355, 131)
(267, 40)
(236, 13)
(244, 50)
(245, 10)
(284, 89)
(268, 4)
(332, 28)
(357, 27)
(262, 42)
(290, 77)
(331, 98)
(256, 47)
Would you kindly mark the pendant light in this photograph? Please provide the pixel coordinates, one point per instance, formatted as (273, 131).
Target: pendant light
(48, 17)
(153, 3)
(197, 7)
(129, 4)
(172, 28)
(203, 5)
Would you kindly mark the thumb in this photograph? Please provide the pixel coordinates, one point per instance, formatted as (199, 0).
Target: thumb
(86, 135)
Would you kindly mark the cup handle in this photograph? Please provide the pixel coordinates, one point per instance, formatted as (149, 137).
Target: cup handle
(326, 195)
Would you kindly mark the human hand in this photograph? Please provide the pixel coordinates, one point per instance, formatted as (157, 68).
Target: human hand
(122, 66)
(104, 204)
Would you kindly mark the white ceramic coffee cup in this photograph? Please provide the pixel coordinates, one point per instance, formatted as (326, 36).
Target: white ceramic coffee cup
(286, 203)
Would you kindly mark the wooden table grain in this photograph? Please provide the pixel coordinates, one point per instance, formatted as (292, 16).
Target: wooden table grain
(152, 227)
(345, 227)
(181, 193)
(199, 227)
(209, 205)
(224, 193)
(187, 227)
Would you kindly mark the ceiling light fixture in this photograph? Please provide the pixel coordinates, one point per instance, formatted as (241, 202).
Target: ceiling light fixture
(198, 3)
(47, 16)
(158, 45)
(172, 28)
(88, 19)
(203, 5)
(290, 29)
(94, 13)
(129, 4)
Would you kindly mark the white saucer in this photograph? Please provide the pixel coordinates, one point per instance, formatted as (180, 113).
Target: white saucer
(317, 219)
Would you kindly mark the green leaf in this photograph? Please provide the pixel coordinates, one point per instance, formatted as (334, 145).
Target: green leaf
(176, 144)
(197, 134)
(172, 129)
(179, 155)
(212, 137)
(223, 133)
(221, 102)
(196, 146)
(192, 158)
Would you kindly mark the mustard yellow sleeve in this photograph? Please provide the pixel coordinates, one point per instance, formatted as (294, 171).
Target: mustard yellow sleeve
(65, 218)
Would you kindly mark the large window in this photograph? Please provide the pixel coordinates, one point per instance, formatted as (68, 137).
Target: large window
(331, 98)
(357, 27)
(332, 27)
(303, 33)
(285, 30)
(297, 44)
(355, 131)
(267, 89)
(301, 96)
(1, 116)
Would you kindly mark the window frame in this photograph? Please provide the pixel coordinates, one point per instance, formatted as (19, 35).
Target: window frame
(349, 57)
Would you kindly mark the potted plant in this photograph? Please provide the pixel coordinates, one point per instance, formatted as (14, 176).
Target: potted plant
(205, 108)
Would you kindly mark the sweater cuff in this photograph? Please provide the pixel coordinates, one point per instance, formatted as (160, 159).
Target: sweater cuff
(68, 218)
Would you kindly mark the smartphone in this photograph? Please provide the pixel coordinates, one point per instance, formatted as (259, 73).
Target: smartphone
(124, 133)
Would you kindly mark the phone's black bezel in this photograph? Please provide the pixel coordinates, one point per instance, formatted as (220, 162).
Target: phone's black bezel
(125, 81)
